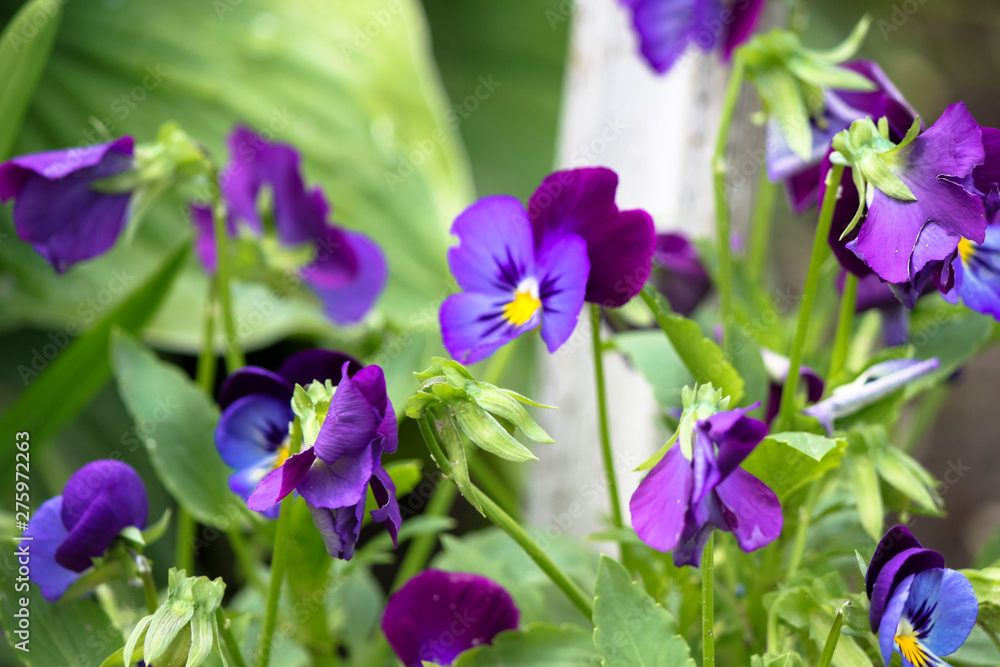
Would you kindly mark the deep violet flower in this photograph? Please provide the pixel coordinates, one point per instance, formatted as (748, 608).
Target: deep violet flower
(334, 474)
(687, 495)
(70, 530)
(57, 210)
(620, 244)
(678, 273)
(666, 28)
(801, 177)
(348, 271)
(977, 274)
(777, 367)
(437, 615)
(252, 432)
(919, 609)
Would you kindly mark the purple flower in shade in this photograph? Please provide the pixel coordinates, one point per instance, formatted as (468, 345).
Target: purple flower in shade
(256, 404)
(875, 294)
(56, 209)
(334, 474)
(67, 532)
(667, 27)
(802, 177)
(919, 609)
(911, 243)
(620, 244)
(777, 370)
(437, 615)
(683, 499)
(678, 274)
(977, 274)
(349, 270)
(509, 288)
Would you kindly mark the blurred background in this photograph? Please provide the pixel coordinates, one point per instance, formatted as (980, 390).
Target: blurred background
(362, 88)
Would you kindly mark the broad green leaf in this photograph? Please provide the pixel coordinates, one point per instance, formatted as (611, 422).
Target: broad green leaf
(656, 359)
(631, 628)
(176, 421)
(907, 476)
(81, 368)
(784, 660)
(25, 46)
(703, 358)
(537, 645)
(868, 495)
(786, 468)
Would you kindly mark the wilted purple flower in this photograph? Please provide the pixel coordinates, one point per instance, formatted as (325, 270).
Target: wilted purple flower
(919, 609)
(509, 288)
(620, 244)
(348, 271)
(57, 210)
(777, 367)
(843, 107)
(252, 433)
(682, 500)
(437, 615)
(67, 532)
(678, 273)
(666, 28)
(333, 475)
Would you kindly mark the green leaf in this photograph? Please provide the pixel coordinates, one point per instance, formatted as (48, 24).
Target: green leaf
(487, 433)
(25, 46)
(506, 405)
(176, 421)
(786, 468)
(907, 476)
(703, 358)
(632, 629)
(158, 529)
(814, 446)
(80, 371)
(537, 645)
(867, 493)
(822, 74)
(846, 49)
(783, 102)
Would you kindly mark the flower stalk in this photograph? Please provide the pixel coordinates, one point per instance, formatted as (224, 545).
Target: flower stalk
(708, 603)
(848, 301)
(831, 640)
(602, 412)
(234, 356)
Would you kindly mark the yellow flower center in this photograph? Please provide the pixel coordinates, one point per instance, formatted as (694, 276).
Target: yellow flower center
(966, 249)
(912, 650)
(283, 453)
(525, 303)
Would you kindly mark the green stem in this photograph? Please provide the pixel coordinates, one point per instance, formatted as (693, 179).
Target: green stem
(760, 230)
(227, 637)
(184, 550)
(602, 416)
(802, 530)
(708, 603)
(848, 302)
(504, 522)
(723, 216)
(148, 585)
(788, 394)
(206, 358)
(234, 356)
(831, 641)
(494, 484)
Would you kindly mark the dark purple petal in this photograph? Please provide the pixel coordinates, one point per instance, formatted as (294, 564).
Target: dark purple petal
(620, 244)
(564, 269)
(777, 366)
(659, 504)
(251, 429)
(667, 27)
(46, 532)
(99, 500)
(437, 615)
(885, 101)
(750, 509)
(281, 481)
(895, 541)
(241, 179)
(903, 564)
(339, 528)
(204, 236)
(495, 249)
(352, 419)
(253, 380)
(317, 365)
(741, 18)
(299, 214)
(802, 189)
(350, 302)
(473, 325)
(735, 434)
(371, 384)
(678, 273)
(335, 266)
(952, 147)
(387, 512)
(986, 176)
(56, 211)
(693, 541)
(341, 483)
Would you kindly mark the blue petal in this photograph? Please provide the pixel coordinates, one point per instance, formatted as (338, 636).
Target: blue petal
(943, 607)
(496, 250)
(243, 482)
(251, 429)
(473, 325)
(977, 278)
(47, 532)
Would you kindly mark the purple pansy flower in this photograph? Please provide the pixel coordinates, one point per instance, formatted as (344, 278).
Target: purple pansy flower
(348, 271)
(420, 618)
(509, 288)
(56, 209)
(682, 500)
(620, 244)
(802, 177)
(333, 475)
(678, 273)
(252, 432)
(919, 609)
(908, 243)
(70, 530)
(667, 27)
(777, 367)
